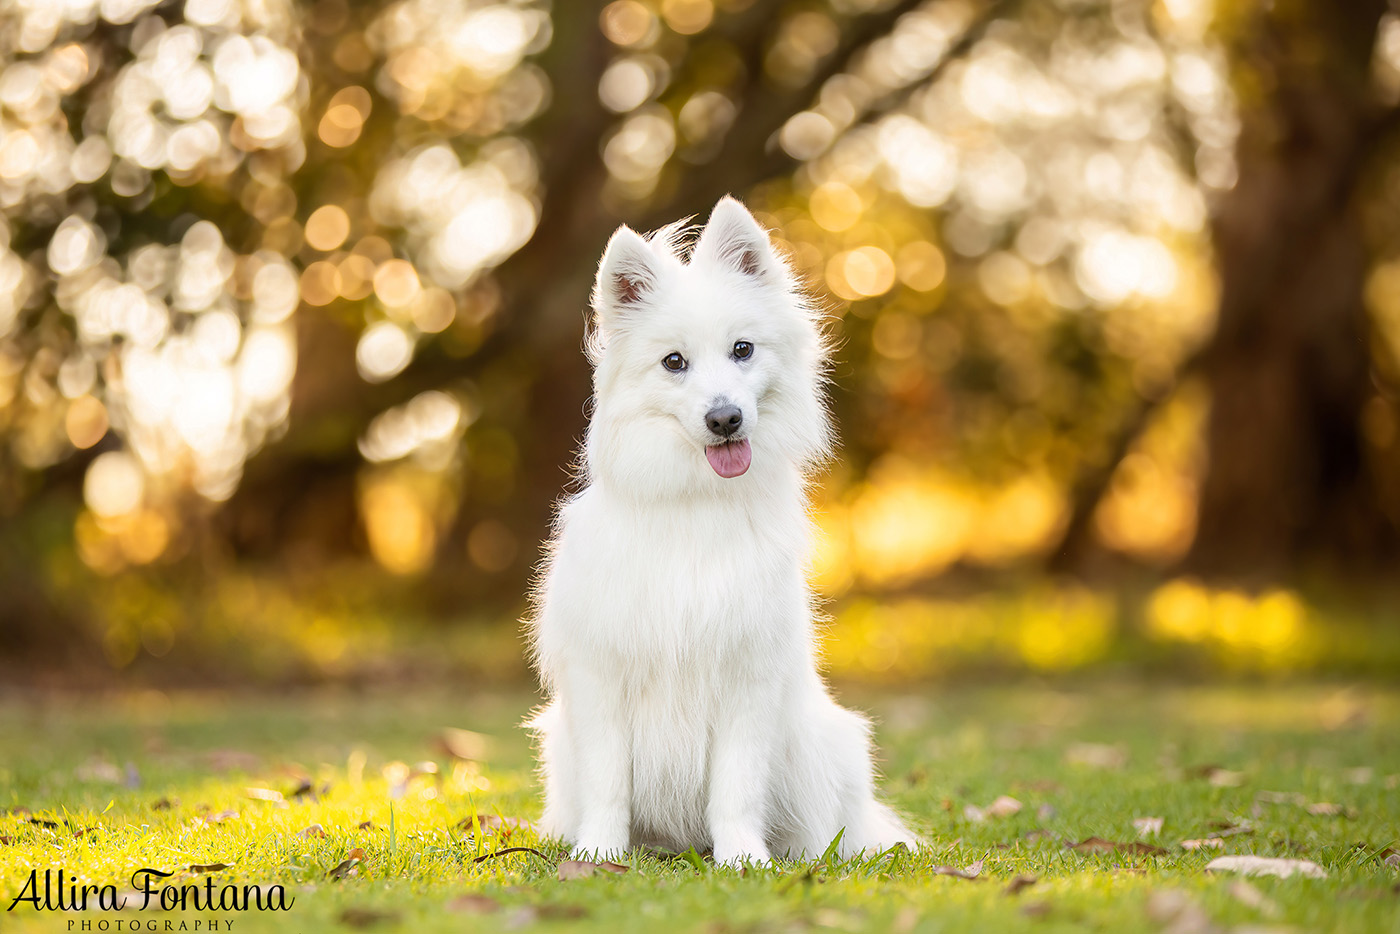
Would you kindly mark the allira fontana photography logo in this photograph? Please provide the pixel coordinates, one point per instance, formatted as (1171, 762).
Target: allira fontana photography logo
(60, 891)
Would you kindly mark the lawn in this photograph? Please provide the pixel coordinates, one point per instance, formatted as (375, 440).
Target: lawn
(1001, 782)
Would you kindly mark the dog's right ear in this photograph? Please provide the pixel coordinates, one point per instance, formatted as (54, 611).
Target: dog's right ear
(627, 274)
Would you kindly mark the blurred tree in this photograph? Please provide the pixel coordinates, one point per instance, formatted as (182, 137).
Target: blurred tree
(294, 284)
(1289, 367)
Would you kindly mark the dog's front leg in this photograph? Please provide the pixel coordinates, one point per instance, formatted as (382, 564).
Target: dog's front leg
(740, 773)
(602, 760)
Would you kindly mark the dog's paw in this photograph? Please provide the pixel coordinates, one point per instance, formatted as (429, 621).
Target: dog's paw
(738, 860)
(744, 849)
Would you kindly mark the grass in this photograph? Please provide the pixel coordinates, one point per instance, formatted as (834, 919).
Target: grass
(150, 780)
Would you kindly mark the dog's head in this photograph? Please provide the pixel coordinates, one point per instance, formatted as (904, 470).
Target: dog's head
(705, 367)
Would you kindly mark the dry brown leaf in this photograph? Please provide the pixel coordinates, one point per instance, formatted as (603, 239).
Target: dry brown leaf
(315, 830)
(971, 873)
(1003, 806)
(464, 744)
(1097, 755)
(209, 867)
(220, 817)
(164, 804)
(1247, 894)
(366, 917)
(366, 825)
(1266, 866)
(579, 869)
(348, 867)
(233, 760)
(1204, 843)
(474, 904)
(1019, 883)
(1325, 809)
(1100, 845)
(1147, 826)
(1178, 913)
(264, 794)
(6, 841)
(1393, 860)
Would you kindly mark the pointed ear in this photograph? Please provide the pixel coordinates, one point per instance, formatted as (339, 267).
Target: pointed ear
(734, 240)
(627, 274)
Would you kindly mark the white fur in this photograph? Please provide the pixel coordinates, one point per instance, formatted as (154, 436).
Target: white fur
(674, 628)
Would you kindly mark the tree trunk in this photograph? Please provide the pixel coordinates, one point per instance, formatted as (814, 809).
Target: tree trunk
(1287, 488)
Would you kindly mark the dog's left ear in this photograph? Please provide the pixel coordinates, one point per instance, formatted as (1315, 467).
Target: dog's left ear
(734, 240)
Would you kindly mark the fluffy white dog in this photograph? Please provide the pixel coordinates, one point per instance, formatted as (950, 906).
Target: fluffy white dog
(674, 626)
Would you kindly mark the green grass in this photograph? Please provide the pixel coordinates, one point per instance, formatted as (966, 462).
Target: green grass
(1201, 758)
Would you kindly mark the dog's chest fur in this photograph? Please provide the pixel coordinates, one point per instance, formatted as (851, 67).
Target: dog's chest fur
(674, 605)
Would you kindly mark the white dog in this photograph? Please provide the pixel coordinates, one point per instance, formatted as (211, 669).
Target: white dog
(674, 626)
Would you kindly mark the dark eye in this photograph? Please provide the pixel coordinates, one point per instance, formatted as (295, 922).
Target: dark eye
(673, 362)
(742, 350)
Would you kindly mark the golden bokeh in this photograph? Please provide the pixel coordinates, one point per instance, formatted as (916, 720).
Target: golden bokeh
(327, 227)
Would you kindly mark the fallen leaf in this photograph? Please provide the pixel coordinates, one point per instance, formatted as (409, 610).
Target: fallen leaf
(1045, 812)
(1393, 860)
(1020, 882)
(1041, 785)
(1225, 778)
(1097, 755)
(1280, 797)
(98, 770)
(527, 915)
(1147, 826)
(1227, 829)
(346, 868)
(233, 760)
(220, 817)
(6, 841)
(1266, 866)
(1325, 809)
(18, 809)
(465, 744)
(164, 804)
(366, 825)
(365, 917)
(1178, 912)
(1004, 806)
(474, 904)
(579, 869)
(1036, 909)
(1205, 843)
(494, 823)
(1100, 845)
(971, 873)
(209, 867)
(264, 794)
(315, 830)
(1241, 891)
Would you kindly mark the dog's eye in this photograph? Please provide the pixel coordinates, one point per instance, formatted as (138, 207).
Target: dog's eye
(673, 362)
(742, 350)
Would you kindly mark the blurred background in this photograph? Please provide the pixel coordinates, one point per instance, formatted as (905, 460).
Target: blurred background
(292, 296)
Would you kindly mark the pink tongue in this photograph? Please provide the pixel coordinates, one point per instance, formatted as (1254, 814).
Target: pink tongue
(729, 459)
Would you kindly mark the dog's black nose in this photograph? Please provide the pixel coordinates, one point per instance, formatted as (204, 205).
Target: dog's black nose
(724, 420)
